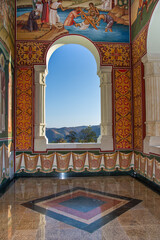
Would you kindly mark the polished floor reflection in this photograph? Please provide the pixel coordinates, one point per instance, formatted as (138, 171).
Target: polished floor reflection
(106, 208)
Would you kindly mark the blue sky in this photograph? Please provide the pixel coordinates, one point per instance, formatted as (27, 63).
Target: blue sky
(72, 92)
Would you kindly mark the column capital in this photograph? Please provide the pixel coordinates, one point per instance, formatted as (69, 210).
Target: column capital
(152, 65)
(105, 75)
(40, 68)
(40, 74)
(151, 58)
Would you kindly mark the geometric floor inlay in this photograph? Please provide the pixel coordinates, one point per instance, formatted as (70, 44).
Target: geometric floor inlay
(83, 208)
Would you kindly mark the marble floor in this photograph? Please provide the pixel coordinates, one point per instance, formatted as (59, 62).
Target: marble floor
(95, 208)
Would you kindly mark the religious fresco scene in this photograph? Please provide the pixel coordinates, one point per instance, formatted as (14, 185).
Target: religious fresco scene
(141, 11)
(7, 24)
(99, 20)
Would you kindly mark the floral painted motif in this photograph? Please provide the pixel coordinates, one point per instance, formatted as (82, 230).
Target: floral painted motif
(29, 53)
(117, 55)
(24, 109)
(139, 46)
(137, 101)
(123, 123)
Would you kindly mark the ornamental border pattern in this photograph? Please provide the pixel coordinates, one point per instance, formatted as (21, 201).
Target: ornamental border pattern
(24, 113)
(123, 106)
(138, 107)
(139, 45)
(116, 54)
(31, 52)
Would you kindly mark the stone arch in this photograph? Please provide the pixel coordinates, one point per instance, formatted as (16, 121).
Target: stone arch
(151, 63)
(105, 141)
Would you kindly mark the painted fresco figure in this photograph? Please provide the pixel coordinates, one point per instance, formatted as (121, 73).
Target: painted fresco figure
(107, 19)
(2, 93)
(72, 15)
(45, 12)
(39, 7)
(105, 4)
(142, 4)
(93, 11)
(32, 23)
(85, 24)
(53, 15)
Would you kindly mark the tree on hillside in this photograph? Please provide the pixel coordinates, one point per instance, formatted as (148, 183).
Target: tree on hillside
(87, 135)
(59, 140)
(72, 136)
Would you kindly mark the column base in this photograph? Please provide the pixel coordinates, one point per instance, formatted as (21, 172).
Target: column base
(40, 144)
(106, 142)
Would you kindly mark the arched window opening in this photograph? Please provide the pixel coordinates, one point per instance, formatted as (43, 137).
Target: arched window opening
(72, 96)
(105, 141)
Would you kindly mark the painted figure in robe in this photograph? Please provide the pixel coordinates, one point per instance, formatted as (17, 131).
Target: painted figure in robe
(107, 19)
(2, 93)
(53, 15)
(45, 12)
(31, 23)
(72, 15)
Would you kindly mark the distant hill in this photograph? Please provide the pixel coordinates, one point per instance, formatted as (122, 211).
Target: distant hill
(56, 133)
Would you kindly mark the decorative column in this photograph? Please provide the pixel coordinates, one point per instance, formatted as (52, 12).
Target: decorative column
(40, 140)
(152, 95)
(106, 137)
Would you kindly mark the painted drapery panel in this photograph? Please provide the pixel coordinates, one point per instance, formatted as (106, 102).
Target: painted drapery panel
(141, 11)
(100, 21)
(123, 115)
(74, 162)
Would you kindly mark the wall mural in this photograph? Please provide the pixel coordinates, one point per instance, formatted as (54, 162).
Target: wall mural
(99, 20)
(7, 23)
(2, 93)
(141, 11)
(6, 78)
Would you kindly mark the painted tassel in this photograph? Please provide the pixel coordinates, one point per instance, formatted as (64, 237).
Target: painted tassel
(86, 161)
(71, 161)
(39, 162)
(22, 162)
(3, 159)
(102, 161)
(54, 162)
